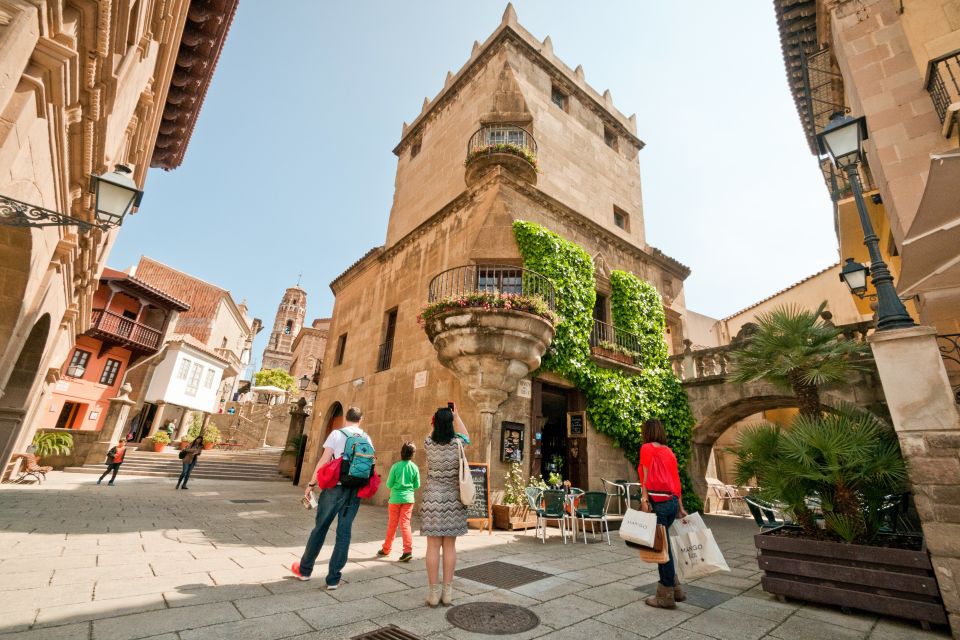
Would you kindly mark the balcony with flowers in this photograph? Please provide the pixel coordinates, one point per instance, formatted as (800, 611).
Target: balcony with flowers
(505, 145)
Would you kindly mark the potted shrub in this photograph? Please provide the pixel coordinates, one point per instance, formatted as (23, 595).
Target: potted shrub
(837, 476)
(52, 443)
(514, 512)
(211, 436)
(195, 425)
(160, 441)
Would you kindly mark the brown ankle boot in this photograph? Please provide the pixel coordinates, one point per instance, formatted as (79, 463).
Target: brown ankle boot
(678, 594)
(663, 599)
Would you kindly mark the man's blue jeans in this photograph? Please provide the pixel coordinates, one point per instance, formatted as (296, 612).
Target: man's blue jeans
(341, 503)
(666, 513)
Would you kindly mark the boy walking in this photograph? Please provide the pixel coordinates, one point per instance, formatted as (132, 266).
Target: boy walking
(114, 460)
(340, 502)
(403, 480)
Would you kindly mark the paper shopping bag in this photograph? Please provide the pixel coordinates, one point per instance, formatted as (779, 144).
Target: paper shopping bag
(639, 527)
(693, 522)
(696, 554)
(659, 553)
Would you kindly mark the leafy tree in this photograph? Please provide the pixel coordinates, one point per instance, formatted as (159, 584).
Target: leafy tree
(275, 378)
(795, 349)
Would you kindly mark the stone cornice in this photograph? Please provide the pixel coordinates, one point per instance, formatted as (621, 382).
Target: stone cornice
(358, 267)
(537, 52)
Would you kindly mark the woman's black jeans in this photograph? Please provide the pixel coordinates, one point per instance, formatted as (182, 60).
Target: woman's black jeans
(185, 474)
(667, 511)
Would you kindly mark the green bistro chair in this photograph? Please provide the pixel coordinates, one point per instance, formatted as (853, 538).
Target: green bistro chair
(552, 509)
(533, 501)
(594, 508)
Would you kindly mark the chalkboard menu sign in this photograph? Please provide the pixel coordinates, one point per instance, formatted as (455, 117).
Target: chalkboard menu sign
(480, 510)
(577, 424)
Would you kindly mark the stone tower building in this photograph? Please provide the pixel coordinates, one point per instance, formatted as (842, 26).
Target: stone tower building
(278, 354)
(578, 176)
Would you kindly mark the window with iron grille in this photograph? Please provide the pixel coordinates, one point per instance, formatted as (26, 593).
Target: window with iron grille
(499, 279)
(184, 369)
(558, 98)
(110, 371)
(193, 384)
(385, 354)
(341, 347)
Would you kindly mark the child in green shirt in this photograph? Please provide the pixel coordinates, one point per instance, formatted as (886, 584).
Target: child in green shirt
(404, 478)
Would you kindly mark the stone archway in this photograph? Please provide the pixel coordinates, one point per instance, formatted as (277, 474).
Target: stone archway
(16, 393)
(334, 419)
(15, 249)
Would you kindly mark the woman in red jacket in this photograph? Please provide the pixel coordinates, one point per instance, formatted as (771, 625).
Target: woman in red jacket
(660, 493)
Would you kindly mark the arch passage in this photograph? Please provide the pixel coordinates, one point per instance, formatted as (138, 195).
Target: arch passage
(334, 418)
(17, 391)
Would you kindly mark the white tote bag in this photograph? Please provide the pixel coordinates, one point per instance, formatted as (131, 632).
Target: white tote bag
(695, 551)
(467, 489)
(639, 527)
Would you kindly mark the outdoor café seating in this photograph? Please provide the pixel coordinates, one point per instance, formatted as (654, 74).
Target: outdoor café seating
(593, 510)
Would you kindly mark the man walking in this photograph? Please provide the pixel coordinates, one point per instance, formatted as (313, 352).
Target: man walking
(340, 502)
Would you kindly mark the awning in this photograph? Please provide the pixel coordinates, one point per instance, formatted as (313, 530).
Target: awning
(931, 249)
(269, 390)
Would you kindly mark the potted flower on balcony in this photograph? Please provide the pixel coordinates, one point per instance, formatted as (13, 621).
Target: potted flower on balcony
(613, 351)
(211, 436)
(840, 477)
(160, 440)
(513, 511)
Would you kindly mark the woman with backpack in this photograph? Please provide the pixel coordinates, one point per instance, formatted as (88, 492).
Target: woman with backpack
(443, 516)
(660, 493)
(189, 458)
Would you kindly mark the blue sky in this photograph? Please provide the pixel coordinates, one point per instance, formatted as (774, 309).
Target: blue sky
(290, 167)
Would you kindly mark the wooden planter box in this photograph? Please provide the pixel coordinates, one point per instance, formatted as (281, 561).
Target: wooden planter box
(883, 580)
(612, 355)
(513, 517)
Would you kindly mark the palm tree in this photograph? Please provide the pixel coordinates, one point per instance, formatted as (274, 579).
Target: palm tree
(795, 349)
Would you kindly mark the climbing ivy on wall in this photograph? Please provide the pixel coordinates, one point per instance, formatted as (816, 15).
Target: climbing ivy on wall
(617, 404)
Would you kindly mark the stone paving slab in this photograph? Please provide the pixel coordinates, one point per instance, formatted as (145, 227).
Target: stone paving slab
(142, 561)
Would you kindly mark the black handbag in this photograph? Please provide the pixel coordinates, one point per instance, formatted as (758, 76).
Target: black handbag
(183, 454)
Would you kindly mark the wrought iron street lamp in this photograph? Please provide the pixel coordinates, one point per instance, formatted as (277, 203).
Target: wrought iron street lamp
(842, 141)
(115, 195)
(854, 275)
(304, 383)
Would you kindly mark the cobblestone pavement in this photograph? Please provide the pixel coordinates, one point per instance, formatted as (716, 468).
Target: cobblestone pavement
(140, 560)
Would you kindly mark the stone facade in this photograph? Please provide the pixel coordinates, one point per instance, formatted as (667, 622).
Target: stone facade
(288, 322)
(587, 155)
(308, 350)
(83, 86)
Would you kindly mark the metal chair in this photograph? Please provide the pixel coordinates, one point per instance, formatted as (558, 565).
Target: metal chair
(552, 509)
(595, 510)
(612, 490)
(573, 500)
(759, 510)
(533, 501)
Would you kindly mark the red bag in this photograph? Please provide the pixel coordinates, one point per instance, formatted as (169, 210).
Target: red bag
(329, 474)
(371, 487)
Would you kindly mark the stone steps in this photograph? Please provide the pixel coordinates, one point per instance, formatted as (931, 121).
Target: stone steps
(260, 464)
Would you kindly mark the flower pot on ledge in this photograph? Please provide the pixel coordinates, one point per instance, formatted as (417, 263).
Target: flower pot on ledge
(610, 354)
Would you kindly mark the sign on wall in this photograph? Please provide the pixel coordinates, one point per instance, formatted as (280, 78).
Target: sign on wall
(524, 389)
(420, 380)
(577, 424)
(511, 442)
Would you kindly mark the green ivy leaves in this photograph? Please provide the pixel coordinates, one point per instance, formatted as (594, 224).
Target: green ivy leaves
(617, 404)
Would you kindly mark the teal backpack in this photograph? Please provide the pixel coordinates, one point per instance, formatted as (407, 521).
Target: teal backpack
(356, 465)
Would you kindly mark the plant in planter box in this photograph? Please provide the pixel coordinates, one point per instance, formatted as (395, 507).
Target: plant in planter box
(555, 480)
(160, 440)
(51, 443)
(513, 512)
(211, 436)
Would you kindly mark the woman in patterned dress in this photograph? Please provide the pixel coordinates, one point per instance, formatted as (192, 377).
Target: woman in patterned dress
(443, 516)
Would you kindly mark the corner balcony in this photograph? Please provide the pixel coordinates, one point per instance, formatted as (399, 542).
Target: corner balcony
(508, 146)
(114, 328)
(614, 348)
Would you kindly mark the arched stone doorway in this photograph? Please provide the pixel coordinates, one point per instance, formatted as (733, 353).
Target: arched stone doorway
(334, 419)
(15, 247)
(16, 394)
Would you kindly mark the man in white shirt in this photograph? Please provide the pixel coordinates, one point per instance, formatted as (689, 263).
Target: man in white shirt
(337, 502)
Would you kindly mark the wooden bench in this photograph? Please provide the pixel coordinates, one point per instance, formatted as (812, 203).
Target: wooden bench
(30, 469)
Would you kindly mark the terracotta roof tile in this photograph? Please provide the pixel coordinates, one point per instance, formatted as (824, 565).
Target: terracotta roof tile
(203, 297)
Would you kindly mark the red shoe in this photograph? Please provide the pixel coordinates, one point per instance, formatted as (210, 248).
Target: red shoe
(295, 568)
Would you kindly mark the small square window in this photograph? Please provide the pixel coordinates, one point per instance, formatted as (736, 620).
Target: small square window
(415, 149)
(621, 219)
(611, 138)
(558, 98)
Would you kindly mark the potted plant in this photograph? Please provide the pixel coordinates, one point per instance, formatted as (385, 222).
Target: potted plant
(196, 423)
(613, 351)
(52, 443)
(160, 440)
(838, 477)
(211, 436)
(514, 512)
(555, 480)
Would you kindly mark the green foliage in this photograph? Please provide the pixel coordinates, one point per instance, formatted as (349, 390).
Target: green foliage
(276, 378)
(514, 485)
(537, 481)
(617, 404)
(52, 443)
(211, 434)
(846, 462)
(487, 300)
(554, 479)
(504, 147)
(161, 437)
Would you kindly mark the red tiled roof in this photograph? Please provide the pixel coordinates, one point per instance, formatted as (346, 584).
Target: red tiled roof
(156, 295)
(203, 297)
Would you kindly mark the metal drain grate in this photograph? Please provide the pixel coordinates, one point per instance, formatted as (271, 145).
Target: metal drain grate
(492, 618)
(697, 596)
(389, 632)
(502, 575)
(248, 501)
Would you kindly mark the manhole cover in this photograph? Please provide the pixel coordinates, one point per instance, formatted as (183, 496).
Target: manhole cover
(249, 501)
(492, 618)
(502, 575)
(697, 596)
(389, 632)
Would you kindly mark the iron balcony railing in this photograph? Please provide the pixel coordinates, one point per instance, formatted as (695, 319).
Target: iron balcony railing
(114, 327)
(839, 184)
(607, 336)
(385, 356)
(487, 278)
(943, 82)
(502, 138)
(949, 345)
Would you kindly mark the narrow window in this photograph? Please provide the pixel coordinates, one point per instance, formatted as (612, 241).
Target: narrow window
(341, 347)
(223, 343)
(385, 356)
(415, 149)
(110, 371)
(208, 383)
(621, 218)
(78, 363)
(184, 369)
(288, 328)
(610, 137)
(193, 384)
(558, 97)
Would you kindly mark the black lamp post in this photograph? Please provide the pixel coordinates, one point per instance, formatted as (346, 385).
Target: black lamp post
(304, 383)
(842, 140)
(116, 195)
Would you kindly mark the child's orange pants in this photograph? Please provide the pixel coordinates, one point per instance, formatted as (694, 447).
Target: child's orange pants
(399, 514)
